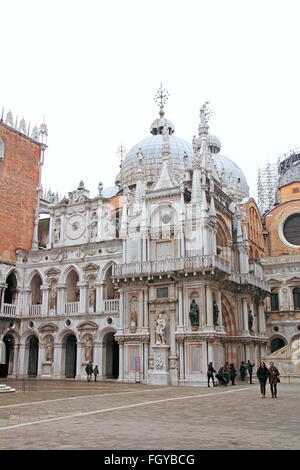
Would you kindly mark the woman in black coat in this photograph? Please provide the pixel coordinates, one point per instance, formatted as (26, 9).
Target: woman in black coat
(262, 375)
(273, 379)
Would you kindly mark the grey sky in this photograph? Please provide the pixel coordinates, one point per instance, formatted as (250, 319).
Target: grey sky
(93, 68)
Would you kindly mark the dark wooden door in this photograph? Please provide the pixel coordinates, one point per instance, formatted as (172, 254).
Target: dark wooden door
(71, 354)
(33, 356)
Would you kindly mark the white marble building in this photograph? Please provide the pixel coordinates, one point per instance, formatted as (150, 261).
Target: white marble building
(168, 244)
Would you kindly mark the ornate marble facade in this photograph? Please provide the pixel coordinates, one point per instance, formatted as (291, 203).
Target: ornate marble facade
(116, 277)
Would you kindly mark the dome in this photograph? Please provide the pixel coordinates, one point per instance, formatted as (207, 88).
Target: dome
(158, 125)
(214, 143)
(231, 173)
(152, 147)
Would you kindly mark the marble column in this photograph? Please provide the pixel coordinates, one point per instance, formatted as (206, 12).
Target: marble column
(245, 318)
(45, 299)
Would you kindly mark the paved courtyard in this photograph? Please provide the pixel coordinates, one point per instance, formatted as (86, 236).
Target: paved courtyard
(68, 414)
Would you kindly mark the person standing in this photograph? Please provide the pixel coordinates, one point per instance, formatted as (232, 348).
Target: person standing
(273, 379)
(95, 372)
(210, 374)
(232, 373)
(243, 371)
(262, 375)
(250, 367)
(227, 371)
(89, 371)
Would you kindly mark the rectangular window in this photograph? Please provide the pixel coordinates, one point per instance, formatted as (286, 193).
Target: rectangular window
(296, 190)
(274, 302)
(162, 292)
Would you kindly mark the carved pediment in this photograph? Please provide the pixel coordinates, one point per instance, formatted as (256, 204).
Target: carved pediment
(87, 326)
(48, 328)
(52, 272)
(90, 268)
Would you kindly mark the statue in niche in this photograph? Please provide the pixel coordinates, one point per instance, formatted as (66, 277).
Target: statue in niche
(49, 349)
(250, 321)
(133, 314)
(57, 231)
(88, 349)
(92, 298)
(194, 313)
(216, 313)
(52, 297)
(94, 230)
(160, 329)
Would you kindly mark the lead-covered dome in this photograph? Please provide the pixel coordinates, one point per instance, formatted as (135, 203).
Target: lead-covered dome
(152, 148)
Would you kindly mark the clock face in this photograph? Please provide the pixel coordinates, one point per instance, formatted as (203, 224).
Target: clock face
(75, 227)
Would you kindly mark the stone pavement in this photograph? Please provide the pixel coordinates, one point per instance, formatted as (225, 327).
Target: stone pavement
(69, 414)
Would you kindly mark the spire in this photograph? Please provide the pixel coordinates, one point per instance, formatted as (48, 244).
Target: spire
(161, 98)
(165, 180)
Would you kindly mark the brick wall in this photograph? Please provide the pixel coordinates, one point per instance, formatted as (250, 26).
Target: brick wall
(19, 178)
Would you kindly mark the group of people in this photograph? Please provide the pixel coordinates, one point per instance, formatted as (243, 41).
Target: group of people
(90, 370)
(228, 373)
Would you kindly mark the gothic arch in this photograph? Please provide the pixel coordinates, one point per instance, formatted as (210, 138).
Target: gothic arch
(66, 273)
(229, 322)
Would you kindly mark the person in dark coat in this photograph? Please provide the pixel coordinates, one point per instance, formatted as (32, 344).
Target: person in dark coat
(243, 371)
(250, 367)
(95, 372)
(227, 371)
(232, 373)
(273, 379)
(262, 375)
(89, 371)
(210, 374)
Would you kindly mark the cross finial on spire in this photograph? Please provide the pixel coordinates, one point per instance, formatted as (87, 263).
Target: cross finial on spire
(161, 98)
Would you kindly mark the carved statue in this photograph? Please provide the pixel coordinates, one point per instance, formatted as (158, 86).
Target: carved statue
(49, 350)
(52, 298)
(160, 329)
(94, 230)
(194, 313)
(216, 313)
(88, 349)
(100, 188)
(57, 230)
(92, 298)
(133, 314)
(250, 320)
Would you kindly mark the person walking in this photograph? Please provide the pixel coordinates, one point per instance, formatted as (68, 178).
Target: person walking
(273, 379)
(89, 371)
(232, 373)
(243, 371)
(250, 367)
(210, 374)
(95, 372)
(262, 375)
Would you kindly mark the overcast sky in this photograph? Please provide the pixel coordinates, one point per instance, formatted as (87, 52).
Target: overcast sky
(93, 67)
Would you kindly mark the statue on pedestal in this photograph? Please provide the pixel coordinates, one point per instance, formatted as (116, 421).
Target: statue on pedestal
(250, 320)
(216, 313)
(160, 329)
(194, 313)
(49, 350)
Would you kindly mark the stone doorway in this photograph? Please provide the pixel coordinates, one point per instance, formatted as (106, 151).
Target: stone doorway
(71, 357)
(111, 363)
(6, 369)
(33, 356)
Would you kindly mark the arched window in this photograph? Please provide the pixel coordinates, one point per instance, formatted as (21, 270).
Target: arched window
(296, 295)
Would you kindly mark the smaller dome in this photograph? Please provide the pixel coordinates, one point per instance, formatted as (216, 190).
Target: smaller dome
(214, 143)
(158, 125)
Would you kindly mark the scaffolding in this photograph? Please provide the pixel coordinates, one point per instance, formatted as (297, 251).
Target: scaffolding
(267, 184)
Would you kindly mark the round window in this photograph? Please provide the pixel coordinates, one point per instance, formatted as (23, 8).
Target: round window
(275, 328)
(109, 321)
(291, 229)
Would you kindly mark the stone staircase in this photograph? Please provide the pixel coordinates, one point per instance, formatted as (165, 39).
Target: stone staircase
(5, 388)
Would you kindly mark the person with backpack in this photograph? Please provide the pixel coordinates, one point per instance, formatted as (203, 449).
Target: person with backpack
(210, 374)
(89, 371)
(243, 371)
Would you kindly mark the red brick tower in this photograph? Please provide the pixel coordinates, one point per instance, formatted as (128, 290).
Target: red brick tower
(21, 157)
